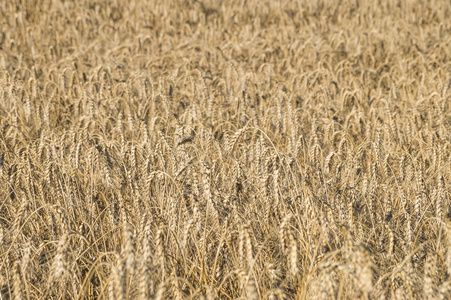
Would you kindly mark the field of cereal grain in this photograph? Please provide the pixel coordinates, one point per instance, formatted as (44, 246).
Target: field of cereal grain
(239, 149)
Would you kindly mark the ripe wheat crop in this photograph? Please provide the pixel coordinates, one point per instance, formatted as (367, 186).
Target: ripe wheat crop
(207, 149)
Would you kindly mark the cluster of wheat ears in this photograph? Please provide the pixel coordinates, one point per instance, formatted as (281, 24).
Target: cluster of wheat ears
(207, 149)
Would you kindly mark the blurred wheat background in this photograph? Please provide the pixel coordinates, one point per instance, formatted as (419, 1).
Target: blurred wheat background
(206, 149)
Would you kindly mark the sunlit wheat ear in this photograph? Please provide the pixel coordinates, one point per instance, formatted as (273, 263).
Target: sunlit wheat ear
(146, 280)
(447, 233)
(26, 258)
(241, 249)
(249, 248)
(210, 293)
(364, 269)
(386, 165)
(60, 262)
(342, 148)
(20, 215)
(430, 271)
(328, 162)
(187, 231)
(418, 204)
(351, 219)
(129, 250)
(231, 143)
(159, 245)
(293, 255)
(175, 288)
(409, 233)
(338, 174)
(208, 194)
(391, 240)
(161, 291)
(17, 282)
(276, 183)
(119, 279)
(282, 231)
(408, 278)
(439, 199)
(251, 290)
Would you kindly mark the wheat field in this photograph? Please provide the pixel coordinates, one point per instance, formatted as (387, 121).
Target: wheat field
(239, 149)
